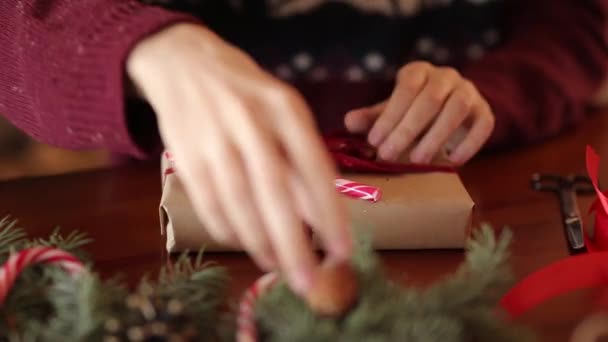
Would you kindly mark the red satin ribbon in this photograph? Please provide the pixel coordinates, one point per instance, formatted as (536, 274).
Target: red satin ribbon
(599, 241)
(352, 153)
(573, 273)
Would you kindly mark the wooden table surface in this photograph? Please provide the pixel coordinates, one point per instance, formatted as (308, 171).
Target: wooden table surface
(119, 209)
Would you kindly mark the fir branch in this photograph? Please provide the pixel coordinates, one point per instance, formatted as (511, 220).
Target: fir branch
(186, 299)
(28, 307)
(48, 304)
(82, 305)
(481, 280)
(460, 308)
(72, 243)
(11, 237)
(201, 288)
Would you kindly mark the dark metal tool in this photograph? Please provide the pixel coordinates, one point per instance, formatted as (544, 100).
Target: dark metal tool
(566, 188)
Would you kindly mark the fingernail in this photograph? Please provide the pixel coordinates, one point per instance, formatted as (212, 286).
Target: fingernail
(387, 151)
(374, 138)
(302, 281)
(456, 158)
(267, 263)
(418, 157)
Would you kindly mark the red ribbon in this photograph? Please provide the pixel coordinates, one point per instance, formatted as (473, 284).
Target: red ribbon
(582, 271)
(352, 153)
(599, 241)
(573, 273)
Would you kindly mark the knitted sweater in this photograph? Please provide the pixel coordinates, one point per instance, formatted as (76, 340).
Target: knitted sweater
(537, 62)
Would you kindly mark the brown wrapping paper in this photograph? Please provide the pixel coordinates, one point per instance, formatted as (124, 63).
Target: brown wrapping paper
(416, 211)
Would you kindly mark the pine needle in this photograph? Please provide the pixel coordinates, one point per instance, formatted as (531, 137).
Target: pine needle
(11, 237)
(460, 308)
(48, 304)
(72, 243)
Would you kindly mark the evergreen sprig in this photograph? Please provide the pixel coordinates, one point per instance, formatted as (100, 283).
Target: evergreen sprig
(11, 237)
(460, 308)
(188, 297)
(48, 304)
(187, 302)
(28, 307)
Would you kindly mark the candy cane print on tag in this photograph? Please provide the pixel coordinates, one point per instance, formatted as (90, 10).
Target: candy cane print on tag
(358, 190)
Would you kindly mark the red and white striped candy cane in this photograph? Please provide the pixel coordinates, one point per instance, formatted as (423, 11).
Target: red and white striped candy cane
(17, 262)
(358, 190)
(246, 325)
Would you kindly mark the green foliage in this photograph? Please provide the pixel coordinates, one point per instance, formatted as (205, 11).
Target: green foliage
(460, 308)
(11, 238)
(48, 304)
(187, 302)
(28, 307)
(187, 299)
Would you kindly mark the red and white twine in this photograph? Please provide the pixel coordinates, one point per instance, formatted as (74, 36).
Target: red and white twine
(344, 186)
(246, 325)
(17, 262)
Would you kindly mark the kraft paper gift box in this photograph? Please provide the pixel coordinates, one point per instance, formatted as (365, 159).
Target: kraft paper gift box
(430, 210)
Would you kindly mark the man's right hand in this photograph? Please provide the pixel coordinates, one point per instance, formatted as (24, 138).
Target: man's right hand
(246, 147)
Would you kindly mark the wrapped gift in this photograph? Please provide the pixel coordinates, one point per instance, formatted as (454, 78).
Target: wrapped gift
(414, 207)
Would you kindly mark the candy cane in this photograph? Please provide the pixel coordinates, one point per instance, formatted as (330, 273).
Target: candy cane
(246, 325)
(16, 263)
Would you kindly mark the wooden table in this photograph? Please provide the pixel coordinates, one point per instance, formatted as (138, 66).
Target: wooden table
(118, 208)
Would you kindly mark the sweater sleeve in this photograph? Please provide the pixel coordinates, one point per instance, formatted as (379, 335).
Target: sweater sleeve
(553, 60)
(62, 76)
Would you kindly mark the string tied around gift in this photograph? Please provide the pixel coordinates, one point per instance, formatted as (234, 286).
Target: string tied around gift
(352, 153)
(18, 262)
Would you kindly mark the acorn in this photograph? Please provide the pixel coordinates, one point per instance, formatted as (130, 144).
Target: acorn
(335, 289)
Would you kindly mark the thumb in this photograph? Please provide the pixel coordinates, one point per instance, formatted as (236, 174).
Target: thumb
(362, 119)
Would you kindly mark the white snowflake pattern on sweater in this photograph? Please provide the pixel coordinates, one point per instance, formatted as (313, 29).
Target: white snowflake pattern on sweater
(285, 8)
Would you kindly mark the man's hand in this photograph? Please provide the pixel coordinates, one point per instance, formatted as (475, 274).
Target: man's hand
(428, 103)
(246, 147)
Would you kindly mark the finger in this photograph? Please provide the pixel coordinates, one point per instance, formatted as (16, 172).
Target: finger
(423, 110)
(410, 81)
(304, 206)
(285, 227)
(361, 120)
(202, 191)
(304, 202)
(268, 171)
(194, 171)
(235, 193)
(309, 157)
(483, 124)
(456, 109)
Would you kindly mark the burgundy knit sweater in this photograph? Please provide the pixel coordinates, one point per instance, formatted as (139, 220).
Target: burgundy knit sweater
(537, 62)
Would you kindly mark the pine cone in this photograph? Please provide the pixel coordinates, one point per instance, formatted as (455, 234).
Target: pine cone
(151, 320)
